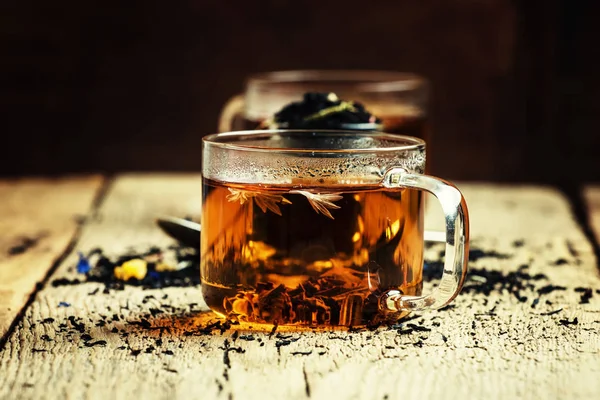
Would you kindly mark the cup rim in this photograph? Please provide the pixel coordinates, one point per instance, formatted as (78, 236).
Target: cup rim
(365, 80)
(220, 140)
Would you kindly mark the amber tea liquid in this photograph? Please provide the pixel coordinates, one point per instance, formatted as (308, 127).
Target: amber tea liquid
(315, 255)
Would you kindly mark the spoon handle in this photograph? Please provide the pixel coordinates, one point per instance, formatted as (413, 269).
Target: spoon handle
(184, 231)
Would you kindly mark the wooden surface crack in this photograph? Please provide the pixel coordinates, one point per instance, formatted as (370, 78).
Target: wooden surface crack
(96, 203)
(306, 384)
(581, 212)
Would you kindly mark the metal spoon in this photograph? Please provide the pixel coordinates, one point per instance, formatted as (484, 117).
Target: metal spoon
(188, 233)
(184, 231)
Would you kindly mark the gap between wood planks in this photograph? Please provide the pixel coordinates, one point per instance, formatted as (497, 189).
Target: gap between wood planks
(581, 212)
(96, 203)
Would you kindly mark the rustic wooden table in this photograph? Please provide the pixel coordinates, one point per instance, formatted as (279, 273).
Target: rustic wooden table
(512, 333)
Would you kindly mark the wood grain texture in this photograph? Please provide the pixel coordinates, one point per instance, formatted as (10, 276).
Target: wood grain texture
(160, 343)
(38, 219)
(592, 197)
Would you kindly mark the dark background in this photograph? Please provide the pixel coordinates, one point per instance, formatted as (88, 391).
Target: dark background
(109, 86)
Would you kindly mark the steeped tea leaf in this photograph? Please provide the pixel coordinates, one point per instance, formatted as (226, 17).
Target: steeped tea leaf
(321, 202)
(265, 201)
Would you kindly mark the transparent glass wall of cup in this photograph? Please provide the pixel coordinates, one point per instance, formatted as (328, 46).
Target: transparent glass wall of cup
(399, 99)
(322, 228)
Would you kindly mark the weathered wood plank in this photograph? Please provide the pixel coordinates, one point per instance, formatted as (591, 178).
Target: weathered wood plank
(592, 197)
(495, 342)
(38, 218)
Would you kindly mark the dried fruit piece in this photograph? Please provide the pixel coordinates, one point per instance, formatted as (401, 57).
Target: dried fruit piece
(136, 268)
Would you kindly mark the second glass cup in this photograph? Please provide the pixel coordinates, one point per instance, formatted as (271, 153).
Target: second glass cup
(400, 100)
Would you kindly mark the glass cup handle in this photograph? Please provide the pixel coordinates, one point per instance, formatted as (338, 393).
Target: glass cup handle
(457, 242)
(232, 108)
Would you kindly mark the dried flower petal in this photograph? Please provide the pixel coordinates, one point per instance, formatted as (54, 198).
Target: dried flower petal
(265, 201)
(320, 202)
(83, 265)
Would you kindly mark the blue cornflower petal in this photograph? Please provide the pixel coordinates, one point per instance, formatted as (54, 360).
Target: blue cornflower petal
(83, 266)
(154, 275)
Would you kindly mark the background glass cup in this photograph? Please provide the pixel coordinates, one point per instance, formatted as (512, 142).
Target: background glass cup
(399, 99)
(322, 228)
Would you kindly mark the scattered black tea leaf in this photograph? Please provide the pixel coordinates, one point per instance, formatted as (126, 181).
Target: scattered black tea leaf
(586, 296)
(80, 327)
(301, 353)
(65, 282)
(155, 311)
(476, 254)
(566, 322)
(550, 288)
(552, 312)
(96, 343)
(283, 342)
(144, 323)
(521, 299)
(418, 328)
(282, 336)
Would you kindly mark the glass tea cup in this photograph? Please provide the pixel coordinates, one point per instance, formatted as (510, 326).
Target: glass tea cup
(322, 228)
(399, 99)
